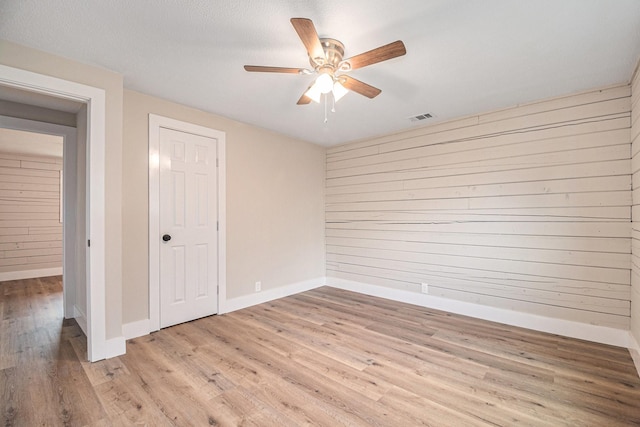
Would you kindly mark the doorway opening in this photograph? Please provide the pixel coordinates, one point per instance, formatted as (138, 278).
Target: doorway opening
(43, 223)
(33, 88)
(31, 204)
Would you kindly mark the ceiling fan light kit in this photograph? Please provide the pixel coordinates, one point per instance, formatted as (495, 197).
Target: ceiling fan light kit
(326, 59)
(324, 82)
(339, 91)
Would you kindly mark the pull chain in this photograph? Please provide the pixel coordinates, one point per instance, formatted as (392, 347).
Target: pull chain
(325, 109)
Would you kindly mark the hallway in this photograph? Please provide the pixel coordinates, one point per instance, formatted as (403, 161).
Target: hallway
(43, 381)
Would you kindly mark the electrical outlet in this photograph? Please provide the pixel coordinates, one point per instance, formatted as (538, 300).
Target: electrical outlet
(425, 288)
(258, 286)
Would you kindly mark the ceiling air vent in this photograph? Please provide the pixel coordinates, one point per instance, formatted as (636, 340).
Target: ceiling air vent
(421, 117)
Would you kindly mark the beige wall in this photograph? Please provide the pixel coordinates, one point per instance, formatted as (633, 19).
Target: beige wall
(275, 185)
(635, 166)
(525, 209)
(17, 56)
(275, 204)
(30, 227)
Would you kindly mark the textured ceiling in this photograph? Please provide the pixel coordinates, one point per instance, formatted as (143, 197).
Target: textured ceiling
(463, 56)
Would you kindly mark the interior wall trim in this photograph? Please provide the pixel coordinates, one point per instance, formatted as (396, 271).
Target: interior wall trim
(80, 317)
(30, 274)
(95, 98)
(634, 350)
(143, 327)
(115, 347)
(245, 301)
(568, 328)
(136, 329)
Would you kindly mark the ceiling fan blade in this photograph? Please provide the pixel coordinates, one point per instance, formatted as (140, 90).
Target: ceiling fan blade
(359, 87)
(304, 100)
(382, 53)
(309, 36)
(261, 69)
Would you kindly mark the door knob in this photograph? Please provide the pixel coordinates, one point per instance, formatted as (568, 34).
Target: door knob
(166, 237)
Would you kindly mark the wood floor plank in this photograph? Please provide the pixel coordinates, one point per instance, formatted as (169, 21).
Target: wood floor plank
(77, 402)
(270, 387)
(582, 413)
(9, 404)
(359, 381)
(416, 407)
(326, 357)
(9, 338)
(310, 335)
(126, 403)
(301, 392)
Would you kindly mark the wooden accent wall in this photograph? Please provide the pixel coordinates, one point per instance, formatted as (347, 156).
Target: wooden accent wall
(30, 227)
(527, 209)
(635, 167)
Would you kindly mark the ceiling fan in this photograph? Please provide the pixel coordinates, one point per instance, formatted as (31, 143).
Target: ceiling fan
(326, 59)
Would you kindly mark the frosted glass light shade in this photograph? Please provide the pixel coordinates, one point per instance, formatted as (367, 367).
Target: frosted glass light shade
(314, 93)
(324, 82)
(320, 86)
(339, 91)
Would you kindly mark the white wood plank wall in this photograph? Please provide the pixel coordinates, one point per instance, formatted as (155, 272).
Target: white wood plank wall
(635, 167)
(30, 227)
(527, 209)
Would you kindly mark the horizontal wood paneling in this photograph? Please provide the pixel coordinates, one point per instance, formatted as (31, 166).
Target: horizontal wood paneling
(15, 169)
(576, 272)
(30, 228)
(571, 214)
(635, 167)
(584, 156)
(527, 209)
(496, 147)
(584, 170)
(564, 243)
(471, 122)
(574, 185)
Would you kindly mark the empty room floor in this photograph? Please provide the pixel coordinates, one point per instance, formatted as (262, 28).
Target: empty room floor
(324, 357)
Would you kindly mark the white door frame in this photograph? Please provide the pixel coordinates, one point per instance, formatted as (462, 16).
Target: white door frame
(96, 127)
(68, 134)
(155, 123)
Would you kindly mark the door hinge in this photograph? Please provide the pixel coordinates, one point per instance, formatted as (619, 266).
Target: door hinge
(217, 226)
(89, 243)
(217, 164)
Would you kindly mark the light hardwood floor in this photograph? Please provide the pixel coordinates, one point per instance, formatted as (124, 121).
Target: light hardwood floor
(325, 357)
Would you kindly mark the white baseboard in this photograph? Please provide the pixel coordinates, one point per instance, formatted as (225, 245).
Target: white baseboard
(600, 334)
(81, 318)
(30, 274)
(114, 347)
(270, 295)
(142, 327)
(136, 329)
(634, 349)
(568, 328)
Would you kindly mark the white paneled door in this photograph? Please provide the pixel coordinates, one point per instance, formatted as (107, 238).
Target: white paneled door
(188, 227)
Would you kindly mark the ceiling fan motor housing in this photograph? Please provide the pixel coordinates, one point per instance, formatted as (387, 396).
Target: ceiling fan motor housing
(333, 52)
